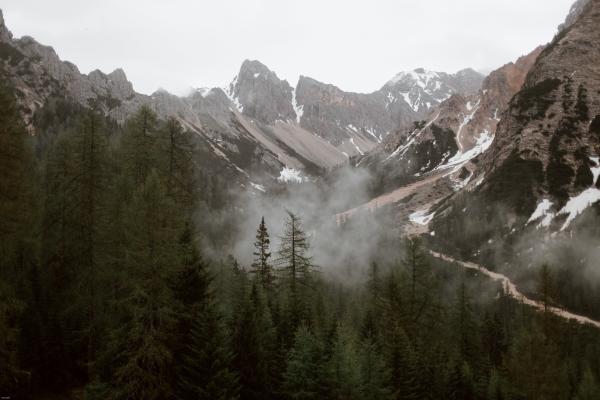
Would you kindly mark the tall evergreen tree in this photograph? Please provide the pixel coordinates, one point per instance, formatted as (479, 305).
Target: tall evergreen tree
(375, 374)
(255, 347)
(343, 367)
(144, 359)
(177, 151)
(293, 252)
(588, 388)
(303, 377)
(261, 266)
(138, 146)
(205, 371)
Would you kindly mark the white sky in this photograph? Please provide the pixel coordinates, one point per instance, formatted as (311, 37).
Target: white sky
(356, 45)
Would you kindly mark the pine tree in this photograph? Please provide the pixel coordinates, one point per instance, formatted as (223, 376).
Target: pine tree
(16, 165)
(177, 153)
(464, 325)
(10, 373)
(494, 389)
(138, 146)
(255, 347)
(17, 221)
(401, 359)
(375, 374)
(588, 388)
(261, 266)
(144, 358)
(89, 189)
(343, 368)
(206, 373)
(292, 255)
(303, 377)
(545, 291)
(419, 300)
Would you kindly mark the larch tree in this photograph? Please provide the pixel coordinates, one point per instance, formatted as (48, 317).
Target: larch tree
(293, 256)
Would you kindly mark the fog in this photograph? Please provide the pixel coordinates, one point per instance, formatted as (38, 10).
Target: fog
(344, 250)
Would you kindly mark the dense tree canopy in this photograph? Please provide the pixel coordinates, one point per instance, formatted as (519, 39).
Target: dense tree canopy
(107, 290)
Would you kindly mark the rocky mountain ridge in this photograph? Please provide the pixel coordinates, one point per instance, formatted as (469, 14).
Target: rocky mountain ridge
(259, 120)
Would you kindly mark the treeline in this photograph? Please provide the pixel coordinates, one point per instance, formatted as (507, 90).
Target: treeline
(99, 230)
(104, 293)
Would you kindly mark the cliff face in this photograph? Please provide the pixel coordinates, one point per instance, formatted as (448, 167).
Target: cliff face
(259, 119)
(542, 170)
(459, 129)
(551, 124)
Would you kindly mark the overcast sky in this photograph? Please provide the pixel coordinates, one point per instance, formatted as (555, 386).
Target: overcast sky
(356, 45)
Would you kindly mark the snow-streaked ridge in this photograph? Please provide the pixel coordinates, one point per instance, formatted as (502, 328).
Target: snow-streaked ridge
(299, 110)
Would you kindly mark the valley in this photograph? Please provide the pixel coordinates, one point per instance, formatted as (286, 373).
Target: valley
(435, 238)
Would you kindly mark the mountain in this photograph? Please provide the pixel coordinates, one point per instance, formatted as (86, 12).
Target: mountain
(443, 145)
(574, 13)
(422, 90)
(540, 175)
(259, 124)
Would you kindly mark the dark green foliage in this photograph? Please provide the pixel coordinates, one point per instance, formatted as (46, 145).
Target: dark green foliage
(105, 294)
(304, 374)
(261, 266)
(205, 370)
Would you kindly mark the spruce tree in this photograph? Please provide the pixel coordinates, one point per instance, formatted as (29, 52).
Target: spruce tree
(177, 152)
(255, 346)
(588, 388)
(376, 376)
(141, 342)
(138, 152)
(205, 370)
(261, 266)
(343, 367)
(303, 377)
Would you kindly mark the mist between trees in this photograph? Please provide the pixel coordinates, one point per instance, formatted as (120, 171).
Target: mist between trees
(117, 282)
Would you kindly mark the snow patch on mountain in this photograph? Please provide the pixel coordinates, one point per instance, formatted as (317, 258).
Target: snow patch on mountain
(542, 211)
(299, 110)
(421, 217)
(290, 175)
(483, 142)
(576, 205)
(229, 92)
(356, 147)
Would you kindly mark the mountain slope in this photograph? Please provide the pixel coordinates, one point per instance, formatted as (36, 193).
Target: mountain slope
(259, 124)
(457, 131)
(539, 177)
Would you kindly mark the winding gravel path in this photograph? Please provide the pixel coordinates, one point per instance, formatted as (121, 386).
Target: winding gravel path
(512, 290)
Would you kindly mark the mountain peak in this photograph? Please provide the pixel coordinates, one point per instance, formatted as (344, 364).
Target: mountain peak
(118, 75)
(253, 69)
(576, 10)
(418, 74)
(5, 34)
(258, 93)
